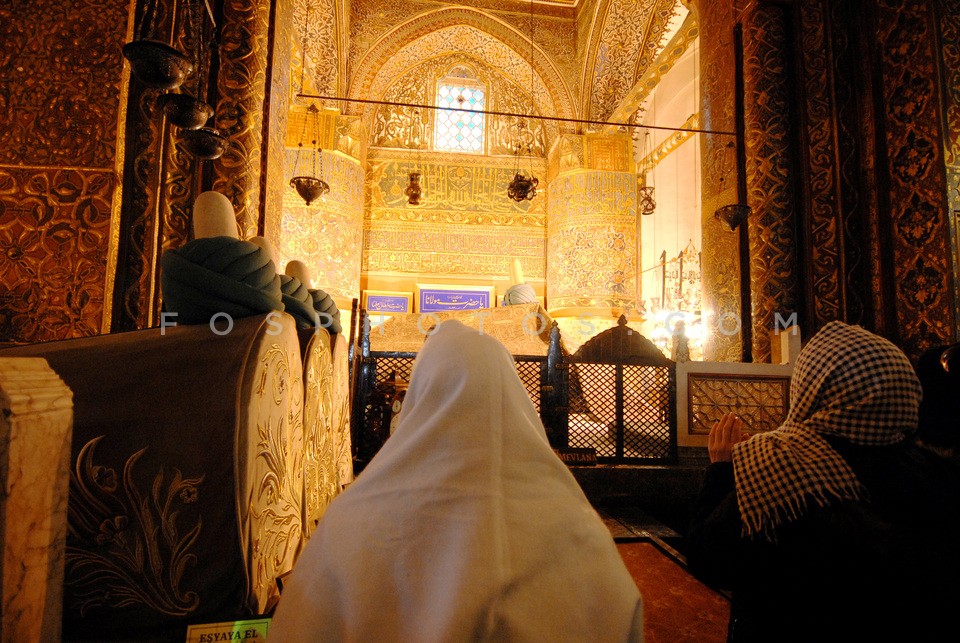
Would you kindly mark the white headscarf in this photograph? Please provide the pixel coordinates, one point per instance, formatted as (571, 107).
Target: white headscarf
(848, 383)
(465, 526)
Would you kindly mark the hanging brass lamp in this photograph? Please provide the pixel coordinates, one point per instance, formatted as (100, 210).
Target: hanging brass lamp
(310, 187)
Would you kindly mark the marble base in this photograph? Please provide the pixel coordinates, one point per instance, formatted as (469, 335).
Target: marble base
(36, 420)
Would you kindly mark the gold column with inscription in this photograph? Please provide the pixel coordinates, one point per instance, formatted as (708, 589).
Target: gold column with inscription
(592, 227)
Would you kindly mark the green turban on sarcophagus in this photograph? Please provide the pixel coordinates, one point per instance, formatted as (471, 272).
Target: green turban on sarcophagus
(328, 310)
(297, 301)
(520, 294)
(218, 275)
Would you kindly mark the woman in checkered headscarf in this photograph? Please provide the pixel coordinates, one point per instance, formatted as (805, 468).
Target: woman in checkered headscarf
(835, 516)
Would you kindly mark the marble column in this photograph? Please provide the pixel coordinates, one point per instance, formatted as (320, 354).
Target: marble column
(36, 420)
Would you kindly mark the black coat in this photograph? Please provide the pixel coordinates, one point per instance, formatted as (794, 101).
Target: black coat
(883, 569)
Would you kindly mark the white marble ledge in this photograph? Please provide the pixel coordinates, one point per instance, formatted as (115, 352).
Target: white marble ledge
(29, 385)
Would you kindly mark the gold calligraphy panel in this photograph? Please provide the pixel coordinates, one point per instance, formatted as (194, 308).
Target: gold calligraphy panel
(466, 225)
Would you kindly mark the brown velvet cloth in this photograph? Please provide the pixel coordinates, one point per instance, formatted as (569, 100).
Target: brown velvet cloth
(169, 486)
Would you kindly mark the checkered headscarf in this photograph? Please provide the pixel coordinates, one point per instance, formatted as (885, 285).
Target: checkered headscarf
(847, 382)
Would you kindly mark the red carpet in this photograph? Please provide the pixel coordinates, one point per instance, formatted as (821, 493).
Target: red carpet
(677, 607)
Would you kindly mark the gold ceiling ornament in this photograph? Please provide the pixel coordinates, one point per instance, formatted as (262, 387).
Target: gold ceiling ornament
(645, 191)
(524, 187)
(310, 187)
(414, 191)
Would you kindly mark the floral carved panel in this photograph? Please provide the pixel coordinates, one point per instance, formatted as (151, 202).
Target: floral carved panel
(720, 255)
(61, 87)
(826, 231)
(628, 41)
(241, 83)
(771, 193)
(54, 229)
(915, 156)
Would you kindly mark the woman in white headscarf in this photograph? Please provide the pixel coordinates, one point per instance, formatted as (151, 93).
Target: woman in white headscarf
(464, 527)
(835, 526)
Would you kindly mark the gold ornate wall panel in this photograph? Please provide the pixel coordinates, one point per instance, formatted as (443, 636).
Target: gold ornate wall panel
(921, 239)
(567, 153)
(350, 137)
(402, 127)
(626, 42)
(826, 227)
(471, 32)
(305, 127)
(770, 185)
(321, 27)
(61, 97)
(328, 234)
(592, 240)
(609, 152)
(466, 225)
(61, 67)
(949, 28)
(274, 178)
(649, 75)
(54, 233)
(554, 27)
(720, 268)
(477, 47)
(241, 83)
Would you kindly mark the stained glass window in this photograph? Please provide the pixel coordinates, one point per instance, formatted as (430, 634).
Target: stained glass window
(459, 124)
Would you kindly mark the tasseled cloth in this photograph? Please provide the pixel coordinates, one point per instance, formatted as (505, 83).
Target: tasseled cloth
(218, 275)
(324, 304)
(847, 383)
(520, 294)
(297, 301)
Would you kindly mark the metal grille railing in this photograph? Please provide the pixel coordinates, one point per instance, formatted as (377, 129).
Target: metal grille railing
(626, 412)
(399, 364)
(530, 368)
